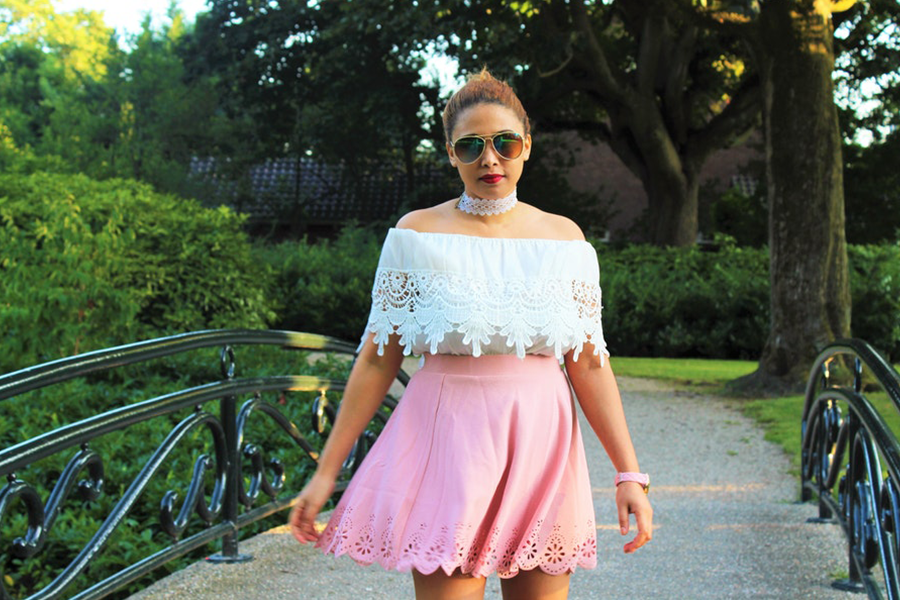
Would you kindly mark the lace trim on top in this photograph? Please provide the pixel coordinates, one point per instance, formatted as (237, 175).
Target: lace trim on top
(458, 294)
(425, 308)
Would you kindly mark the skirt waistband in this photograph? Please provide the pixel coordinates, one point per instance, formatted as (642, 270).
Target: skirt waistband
(492, 364)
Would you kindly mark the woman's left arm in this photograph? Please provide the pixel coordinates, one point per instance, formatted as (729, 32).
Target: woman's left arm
(597, 392)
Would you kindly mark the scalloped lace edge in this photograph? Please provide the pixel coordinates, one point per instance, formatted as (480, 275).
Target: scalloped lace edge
(564, 314)
(476, 554)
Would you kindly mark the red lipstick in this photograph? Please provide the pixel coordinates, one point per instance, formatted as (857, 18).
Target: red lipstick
(491, 178)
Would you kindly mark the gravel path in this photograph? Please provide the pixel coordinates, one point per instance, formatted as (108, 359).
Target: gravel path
(727, 525)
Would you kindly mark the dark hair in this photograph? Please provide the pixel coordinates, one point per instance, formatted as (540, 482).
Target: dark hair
(482, 88)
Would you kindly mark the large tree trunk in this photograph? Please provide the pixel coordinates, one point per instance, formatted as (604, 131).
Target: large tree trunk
(810, 298)
(670, 179)
(671, 207)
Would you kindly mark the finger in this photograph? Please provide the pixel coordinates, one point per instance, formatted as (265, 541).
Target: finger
(302, 523)
(644, 534)
(639, 540)
(624, 521)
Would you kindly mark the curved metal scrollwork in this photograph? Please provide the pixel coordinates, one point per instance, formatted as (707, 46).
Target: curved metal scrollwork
(41, 518)
(217, 485)
(846, 450)
(195, 499)
(17, 490)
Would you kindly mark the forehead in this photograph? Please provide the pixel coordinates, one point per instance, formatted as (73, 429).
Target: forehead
(485, 119)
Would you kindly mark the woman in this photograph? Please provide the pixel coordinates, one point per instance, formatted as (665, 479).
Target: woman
(481, 467)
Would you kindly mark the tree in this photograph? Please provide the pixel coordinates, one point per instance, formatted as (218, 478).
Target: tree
(316, 81)
(642, 95)
(640, 75)
(867, 73)
(810, 299)
(792, 44)
(78, 39)
(46, 59)
(156, 120)
(71, 92)
(867, 76)
(872, 188)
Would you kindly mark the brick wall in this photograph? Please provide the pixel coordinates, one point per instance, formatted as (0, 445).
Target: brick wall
(597, 167)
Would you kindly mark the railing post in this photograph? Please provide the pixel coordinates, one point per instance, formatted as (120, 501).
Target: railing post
(230, 504)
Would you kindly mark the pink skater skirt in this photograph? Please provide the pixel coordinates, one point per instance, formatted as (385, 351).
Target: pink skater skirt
(481, 468)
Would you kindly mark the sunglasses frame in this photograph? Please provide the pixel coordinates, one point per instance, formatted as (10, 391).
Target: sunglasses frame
(485, 138)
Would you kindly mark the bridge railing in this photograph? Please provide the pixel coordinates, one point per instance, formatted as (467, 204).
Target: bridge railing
(851, 460)
(230, 487)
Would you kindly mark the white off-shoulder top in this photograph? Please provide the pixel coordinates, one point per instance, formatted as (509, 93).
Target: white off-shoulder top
(447, 293)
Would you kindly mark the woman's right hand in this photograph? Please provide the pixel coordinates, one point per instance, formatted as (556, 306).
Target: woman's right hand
(307, 506)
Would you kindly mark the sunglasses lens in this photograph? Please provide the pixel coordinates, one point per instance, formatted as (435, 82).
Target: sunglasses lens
(509, 145)
(468, 149)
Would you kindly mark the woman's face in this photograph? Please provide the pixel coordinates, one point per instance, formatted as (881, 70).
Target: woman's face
(489, 177)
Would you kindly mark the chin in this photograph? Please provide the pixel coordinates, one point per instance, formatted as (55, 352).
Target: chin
(492, 192)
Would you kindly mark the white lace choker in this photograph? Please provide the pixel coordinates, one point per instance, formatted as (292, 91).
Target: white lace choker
(483, 207)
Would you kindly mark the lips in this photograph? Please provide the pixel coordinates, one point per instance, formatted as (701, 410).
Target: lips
(491, 178)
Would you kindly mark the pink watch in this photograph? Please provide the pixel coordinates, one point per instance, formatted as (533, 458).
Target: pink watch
(642, 478)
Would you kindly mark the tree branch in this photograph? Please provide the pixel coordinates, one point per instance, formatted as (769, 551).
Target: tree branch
(649, 51)
(674, 94)
(599, 64)
(741, 115)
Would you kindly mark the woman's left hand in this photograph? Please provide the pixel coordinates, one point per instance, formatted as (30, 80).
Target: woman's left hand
(631, 499)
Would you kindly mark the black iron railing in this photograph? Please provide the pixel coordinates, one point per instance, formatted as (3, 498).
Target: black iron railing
(851, 460)
(227, 482)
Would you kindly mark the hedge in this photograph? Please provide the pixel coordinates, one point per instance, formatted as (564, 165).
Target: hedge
(88, 264)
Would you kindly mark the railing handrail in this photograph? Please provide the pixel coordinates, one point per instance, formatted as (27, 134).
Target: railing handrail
(883, 371)
(219, 509)
(64, 369)
(842, 456)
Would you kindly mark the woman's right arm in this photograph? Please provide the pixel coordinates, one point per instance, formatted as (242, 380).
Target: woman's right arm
(369, 381)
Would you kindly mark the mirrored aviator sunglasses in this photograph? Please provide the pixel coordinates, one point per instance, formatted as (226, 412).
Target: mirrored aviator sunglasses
(507, 144)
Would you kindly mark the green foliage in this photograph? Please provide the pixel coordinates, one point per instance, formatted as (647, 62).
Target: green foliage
(91, 264)
(324, 287)
(741, 217)
(685, 302)
(311, 91)
(875, 284)
(872, 192)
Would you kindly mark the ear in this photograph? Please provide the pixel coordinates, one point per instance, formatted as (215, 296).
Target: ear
(526, 153)
(450, 154)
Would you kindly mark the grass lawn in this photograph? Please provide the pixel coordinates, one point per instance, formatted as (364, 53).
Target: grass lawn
(683, 370)
(779, 417)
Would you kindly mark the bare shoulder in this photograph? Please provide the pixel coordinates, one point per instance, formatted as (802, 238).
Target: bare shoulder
(554, 226)
(426, 219)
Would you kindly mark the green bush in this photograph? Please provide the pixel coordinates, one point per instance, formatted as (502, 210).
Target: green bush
(679, 302)
(324, 287)
(875, 286)
(90, 264)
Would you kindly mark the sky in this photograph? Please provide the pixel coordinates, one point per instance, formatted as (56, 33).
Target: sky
(127, 15)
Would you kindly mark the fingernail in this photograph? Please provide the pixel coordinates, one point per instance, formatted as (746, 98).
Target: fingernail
(624, 530)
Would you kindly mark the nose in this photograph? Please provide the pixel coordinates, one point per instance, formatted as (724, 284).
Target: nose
(490, 156)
